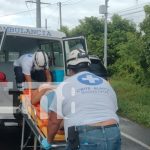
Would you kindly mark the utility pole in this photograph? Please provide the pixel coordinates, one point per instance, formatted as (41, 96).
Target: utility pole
(38, 11)
(45, 23)
(60, 14)
(105, 34)
(103, 9)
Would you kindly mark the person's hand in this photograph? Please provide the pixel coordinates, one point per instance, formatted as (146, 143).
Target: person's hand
(46, 86)
(45, 144)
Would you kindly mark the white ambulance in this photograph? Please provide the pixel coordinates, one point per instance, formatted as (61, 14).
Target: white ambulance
(16, 41)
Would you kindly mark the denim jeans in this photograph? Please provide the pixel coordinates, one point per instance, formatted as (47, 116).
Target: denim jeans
(37, 75)
(101, 138)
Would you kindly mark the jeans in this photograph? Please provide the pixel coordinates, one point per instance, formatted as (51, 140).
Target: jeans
(37, 75)
(19, 75)
(101, 138)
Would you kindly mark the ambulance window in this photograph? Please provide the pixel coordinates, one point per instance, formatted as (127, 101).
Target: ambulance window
(54, 51)
(12, 56)
(2, 57)
(74, 44)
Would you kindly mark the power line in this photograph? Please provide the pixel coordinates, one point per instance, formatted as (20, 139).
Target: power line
(25, 11)
(132, 13)
(130, 9)
(133, 8)
(72, 3)
(29, 11)
(67, 1)
(127, 14)
(20, 12)
(31, 1)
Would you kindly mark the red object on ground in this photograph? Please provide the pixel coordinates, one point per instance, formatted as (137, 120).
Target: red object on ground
(3, 77)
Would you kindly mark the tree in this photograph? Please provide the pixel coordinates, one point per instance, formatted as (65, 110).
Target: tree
(128, 49)
(128, 64)
(118, 29)
(145, 57)
(66, 30)
(92, 28)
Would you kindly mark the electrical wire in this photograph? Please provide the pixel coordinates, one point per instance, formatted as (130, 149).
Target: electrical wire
(130, 10)
(20, 12)
(133, 8)
(72, 3)
(25, 11)
(29, 11)
(67, 1)
(127, 14)
(132, 13)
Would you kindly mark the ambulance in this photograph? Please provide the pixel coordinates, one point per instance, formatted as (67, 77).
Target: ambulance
(18, 40)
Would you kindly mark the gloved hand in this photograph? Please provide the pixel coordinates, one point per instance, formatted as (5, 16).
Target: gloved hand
(45, 144)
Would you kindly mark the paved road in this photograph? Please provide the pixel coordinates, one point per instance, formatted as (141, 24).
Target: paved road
(130, 145)
(10, 140)
(134, 135)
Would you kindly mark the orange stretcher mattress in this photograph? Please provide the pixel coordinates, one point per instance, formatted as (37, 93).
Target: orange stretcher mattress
(40, 117)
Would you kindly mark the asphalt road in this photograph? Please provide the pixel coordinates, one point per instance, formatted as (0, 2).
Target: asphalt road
(10, 140)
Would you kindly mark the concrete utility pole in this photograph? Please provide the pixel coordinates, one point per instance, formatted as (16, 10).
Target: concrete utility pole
(45, 23)
(103, 9)
(38, 11)
(105, 34)
(60, 14)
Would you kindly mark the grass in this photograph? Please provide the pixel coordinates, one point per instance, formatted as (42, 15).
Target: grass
(133, 101)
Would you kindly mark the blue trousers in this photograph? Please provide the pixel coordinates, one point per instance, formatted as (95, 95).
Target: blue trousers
(37, 75)
(101, 138)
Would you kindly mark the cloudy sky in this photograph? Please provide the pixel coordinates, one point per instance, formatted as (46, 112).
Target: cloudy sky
(20, 12)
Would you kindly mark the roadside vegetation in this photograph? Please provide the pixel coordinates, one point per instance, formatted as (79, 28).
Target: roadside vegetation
(128, 58)
(128, 44)
(133, 101)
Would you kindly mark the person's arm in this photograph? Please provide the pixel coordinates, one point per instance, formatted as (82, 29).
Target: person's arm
(29, 81)
(48, 76)
(28, 78)
(36, 95)
(53, 125)
(26, 70)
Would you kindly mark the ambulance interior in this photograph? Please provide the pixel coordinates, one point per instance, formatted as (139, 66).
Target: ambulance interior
(14, 46)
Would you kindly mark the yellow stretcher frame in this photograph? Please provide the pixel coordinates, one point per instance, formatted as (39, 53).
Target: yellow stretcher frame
(31, 120)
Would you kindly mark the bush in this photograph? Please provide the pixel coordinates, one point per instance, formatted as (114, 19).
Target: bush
(133, 101)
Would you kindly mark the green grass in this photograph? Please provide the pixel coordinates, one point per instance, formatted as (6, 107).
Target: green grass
(133, 101)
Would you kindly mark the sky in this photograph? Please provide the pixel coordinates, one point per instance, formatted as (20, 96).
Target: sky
(21, 12)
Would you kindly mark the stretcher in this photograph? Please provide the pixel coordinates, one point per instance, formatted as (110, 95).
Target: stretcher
(37, 120)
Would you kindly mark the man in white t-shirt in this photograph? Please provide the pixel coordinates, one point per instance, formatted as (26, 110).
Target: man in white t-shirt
(87, 104)
(32, 66)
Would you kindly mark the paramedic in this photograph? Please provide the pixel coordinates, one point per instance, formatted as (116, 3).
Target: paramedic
(32, 66)
(88, 110)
